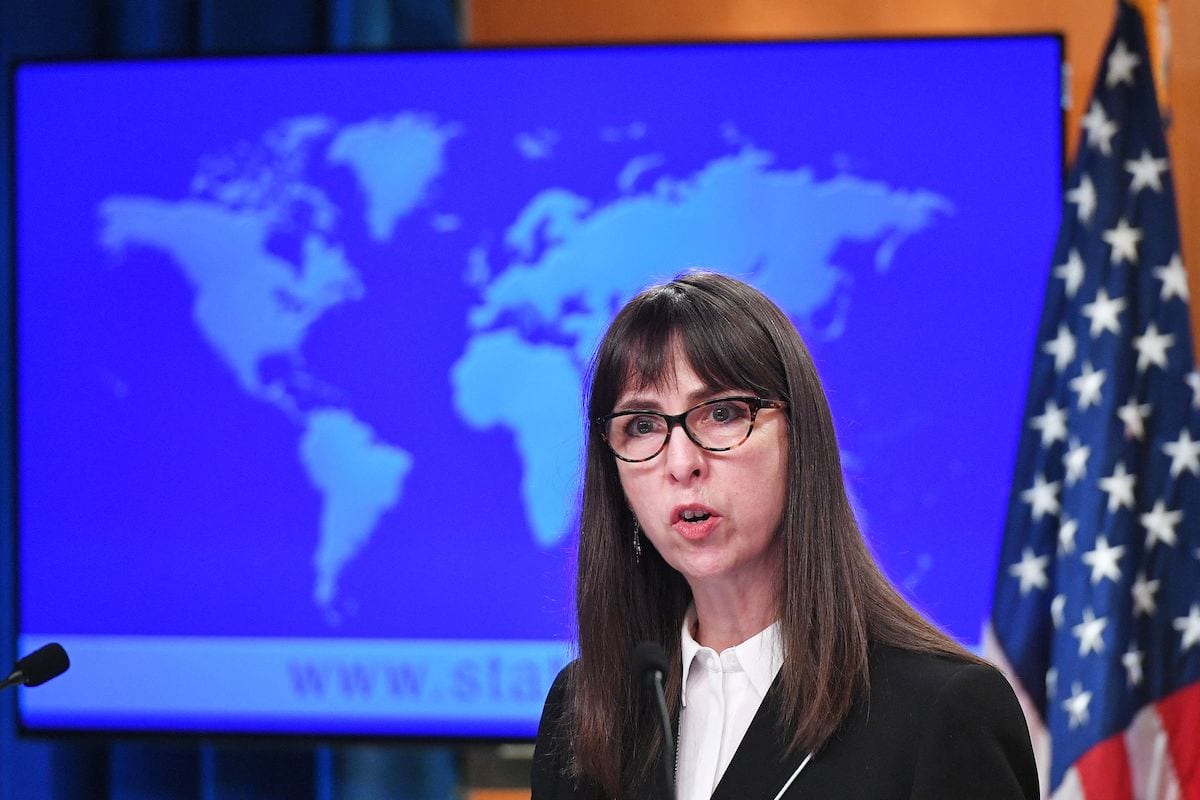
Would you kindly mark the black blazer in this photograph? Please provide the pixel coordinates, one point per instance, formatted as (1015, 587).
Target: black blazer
(930, 729)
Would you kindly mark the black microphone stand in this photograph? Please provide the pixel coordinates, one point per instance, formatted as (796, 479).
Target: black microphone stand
(660, 696)
(650, 664)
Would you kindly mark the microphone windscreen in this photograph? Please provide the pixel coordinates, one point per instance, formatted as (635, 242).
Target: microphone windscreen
(649, 657)
(43, 664)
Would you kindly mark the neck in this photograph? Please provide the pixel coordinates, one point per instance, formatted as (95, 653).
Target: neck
(727, 615)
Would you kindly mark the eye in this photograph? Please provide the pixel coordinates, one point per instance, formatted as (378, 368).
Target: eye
(638, 425)
(724, 412)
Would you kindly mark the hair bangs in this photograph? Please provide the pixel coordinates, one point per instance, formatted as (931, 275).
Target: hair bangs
(720, 341)
(643, 360)
(731, 356)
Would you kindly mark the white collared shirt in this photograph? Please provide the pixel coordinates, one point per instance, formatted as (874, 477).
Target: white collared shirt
(721, 694)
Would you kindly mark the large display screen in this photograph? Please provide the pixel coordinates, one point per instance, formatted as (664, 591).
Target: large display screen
(301, 344)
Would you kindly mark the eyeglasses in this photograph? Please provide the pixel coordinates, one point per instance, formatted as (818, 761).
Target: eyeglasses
(715, 425)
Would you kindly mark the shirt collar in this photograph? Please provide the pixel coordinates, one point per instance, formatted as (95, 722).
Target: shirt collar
(761, 655)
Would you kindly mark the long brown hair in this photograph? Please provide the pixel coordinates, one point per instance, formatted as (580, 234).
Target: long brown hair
(833, 601)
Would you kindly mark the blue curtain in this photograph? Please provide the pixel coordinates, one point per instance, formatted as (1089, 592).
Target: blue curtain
(73, 769)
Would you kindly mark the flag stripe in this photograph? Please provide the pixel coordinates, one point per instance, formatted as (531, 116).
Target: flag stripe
(1104, 771)
(1070, 788)
(1150, 765)
(1180, 714)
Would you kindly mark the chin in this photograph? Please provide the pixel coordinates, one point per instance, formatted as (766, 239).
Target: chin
(705, 570)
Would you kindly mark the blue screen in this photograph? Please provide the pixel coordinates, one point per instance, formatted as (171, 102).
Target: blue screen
(301, 345)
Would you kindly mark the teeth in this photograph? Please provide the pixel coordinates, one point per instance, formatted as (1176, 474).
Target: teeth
(691, 515)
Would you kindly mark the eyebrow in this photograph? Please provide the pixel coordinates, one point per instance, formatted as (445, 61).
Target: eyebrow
(640, 402)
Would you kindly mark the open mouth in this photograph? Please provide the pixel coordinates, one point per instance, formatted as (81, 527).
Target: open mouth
(694, 516)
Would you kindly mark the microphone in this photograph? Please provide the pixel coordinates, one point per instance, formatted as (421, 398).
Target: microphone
(41, 665)
(650, 666)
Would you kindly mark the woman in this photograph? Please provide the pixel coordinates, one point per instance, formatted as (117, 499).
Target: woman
(716, 523)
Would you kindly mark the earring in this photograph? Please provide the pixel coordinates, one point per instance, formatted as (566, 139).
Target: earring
(637, 541)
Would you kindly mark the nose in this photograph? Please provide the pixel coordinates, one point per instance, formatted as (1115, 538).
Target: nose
(685, 459)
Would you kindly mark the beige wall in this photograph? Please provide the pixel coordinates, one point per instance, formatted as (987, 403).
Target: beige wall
(1084, 23)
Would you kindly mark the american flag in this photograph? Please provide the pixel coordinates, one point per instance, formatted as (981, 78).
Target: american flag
(1096, 613)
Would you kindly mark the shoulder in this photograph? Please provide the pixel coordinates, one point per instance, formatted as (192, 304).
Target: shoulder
(971, 737)
(908, 688)
(940, 726)
(946, 692)
(914, 677)
(551, 752)
(975, 742)
(556, 698)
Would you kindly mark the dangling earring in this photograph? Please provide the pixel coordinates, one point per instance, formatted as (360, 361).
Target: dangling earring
(637, 542)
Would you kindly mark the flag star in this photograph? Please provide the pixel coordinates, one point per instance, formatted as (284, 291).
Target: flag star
(1132, 661)
(1160, 524)
(1143, 592)
(1071, 271)
(1075, 461)
(1052, 681)
(1133, 416)
(1152, 347)
(1103, 561)
(1042, 497)
(1062, 347)
(1100, 129)
(1088, 384)
(1174, 279)
(1077, 705)
(1146, 171)
(1124, 241)
(1090, 633)
(1103, 313)
(1189, 626)
(1057, 606)
(1066, 536)
(1031, 570)
(1084, 197)
(1184, 453)
(1193, 380)
(1052, 423)
(1121, 62)
(1119, 487)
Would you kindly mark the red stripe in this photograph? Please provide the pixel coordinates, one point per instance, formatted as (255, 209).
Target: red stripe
(1180, 715)
(1104, 771)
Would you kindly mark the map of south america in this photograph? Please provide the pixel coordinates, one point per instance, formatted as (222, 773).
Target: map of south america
(252, 305)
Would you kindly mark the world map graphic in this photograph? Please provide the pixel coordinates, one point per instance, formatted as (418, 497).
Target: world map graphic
(303, 342)
(544, 293)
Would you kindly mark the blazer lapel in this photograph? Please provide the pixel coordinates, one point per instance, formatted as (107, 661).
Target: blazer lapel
(759, 767)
